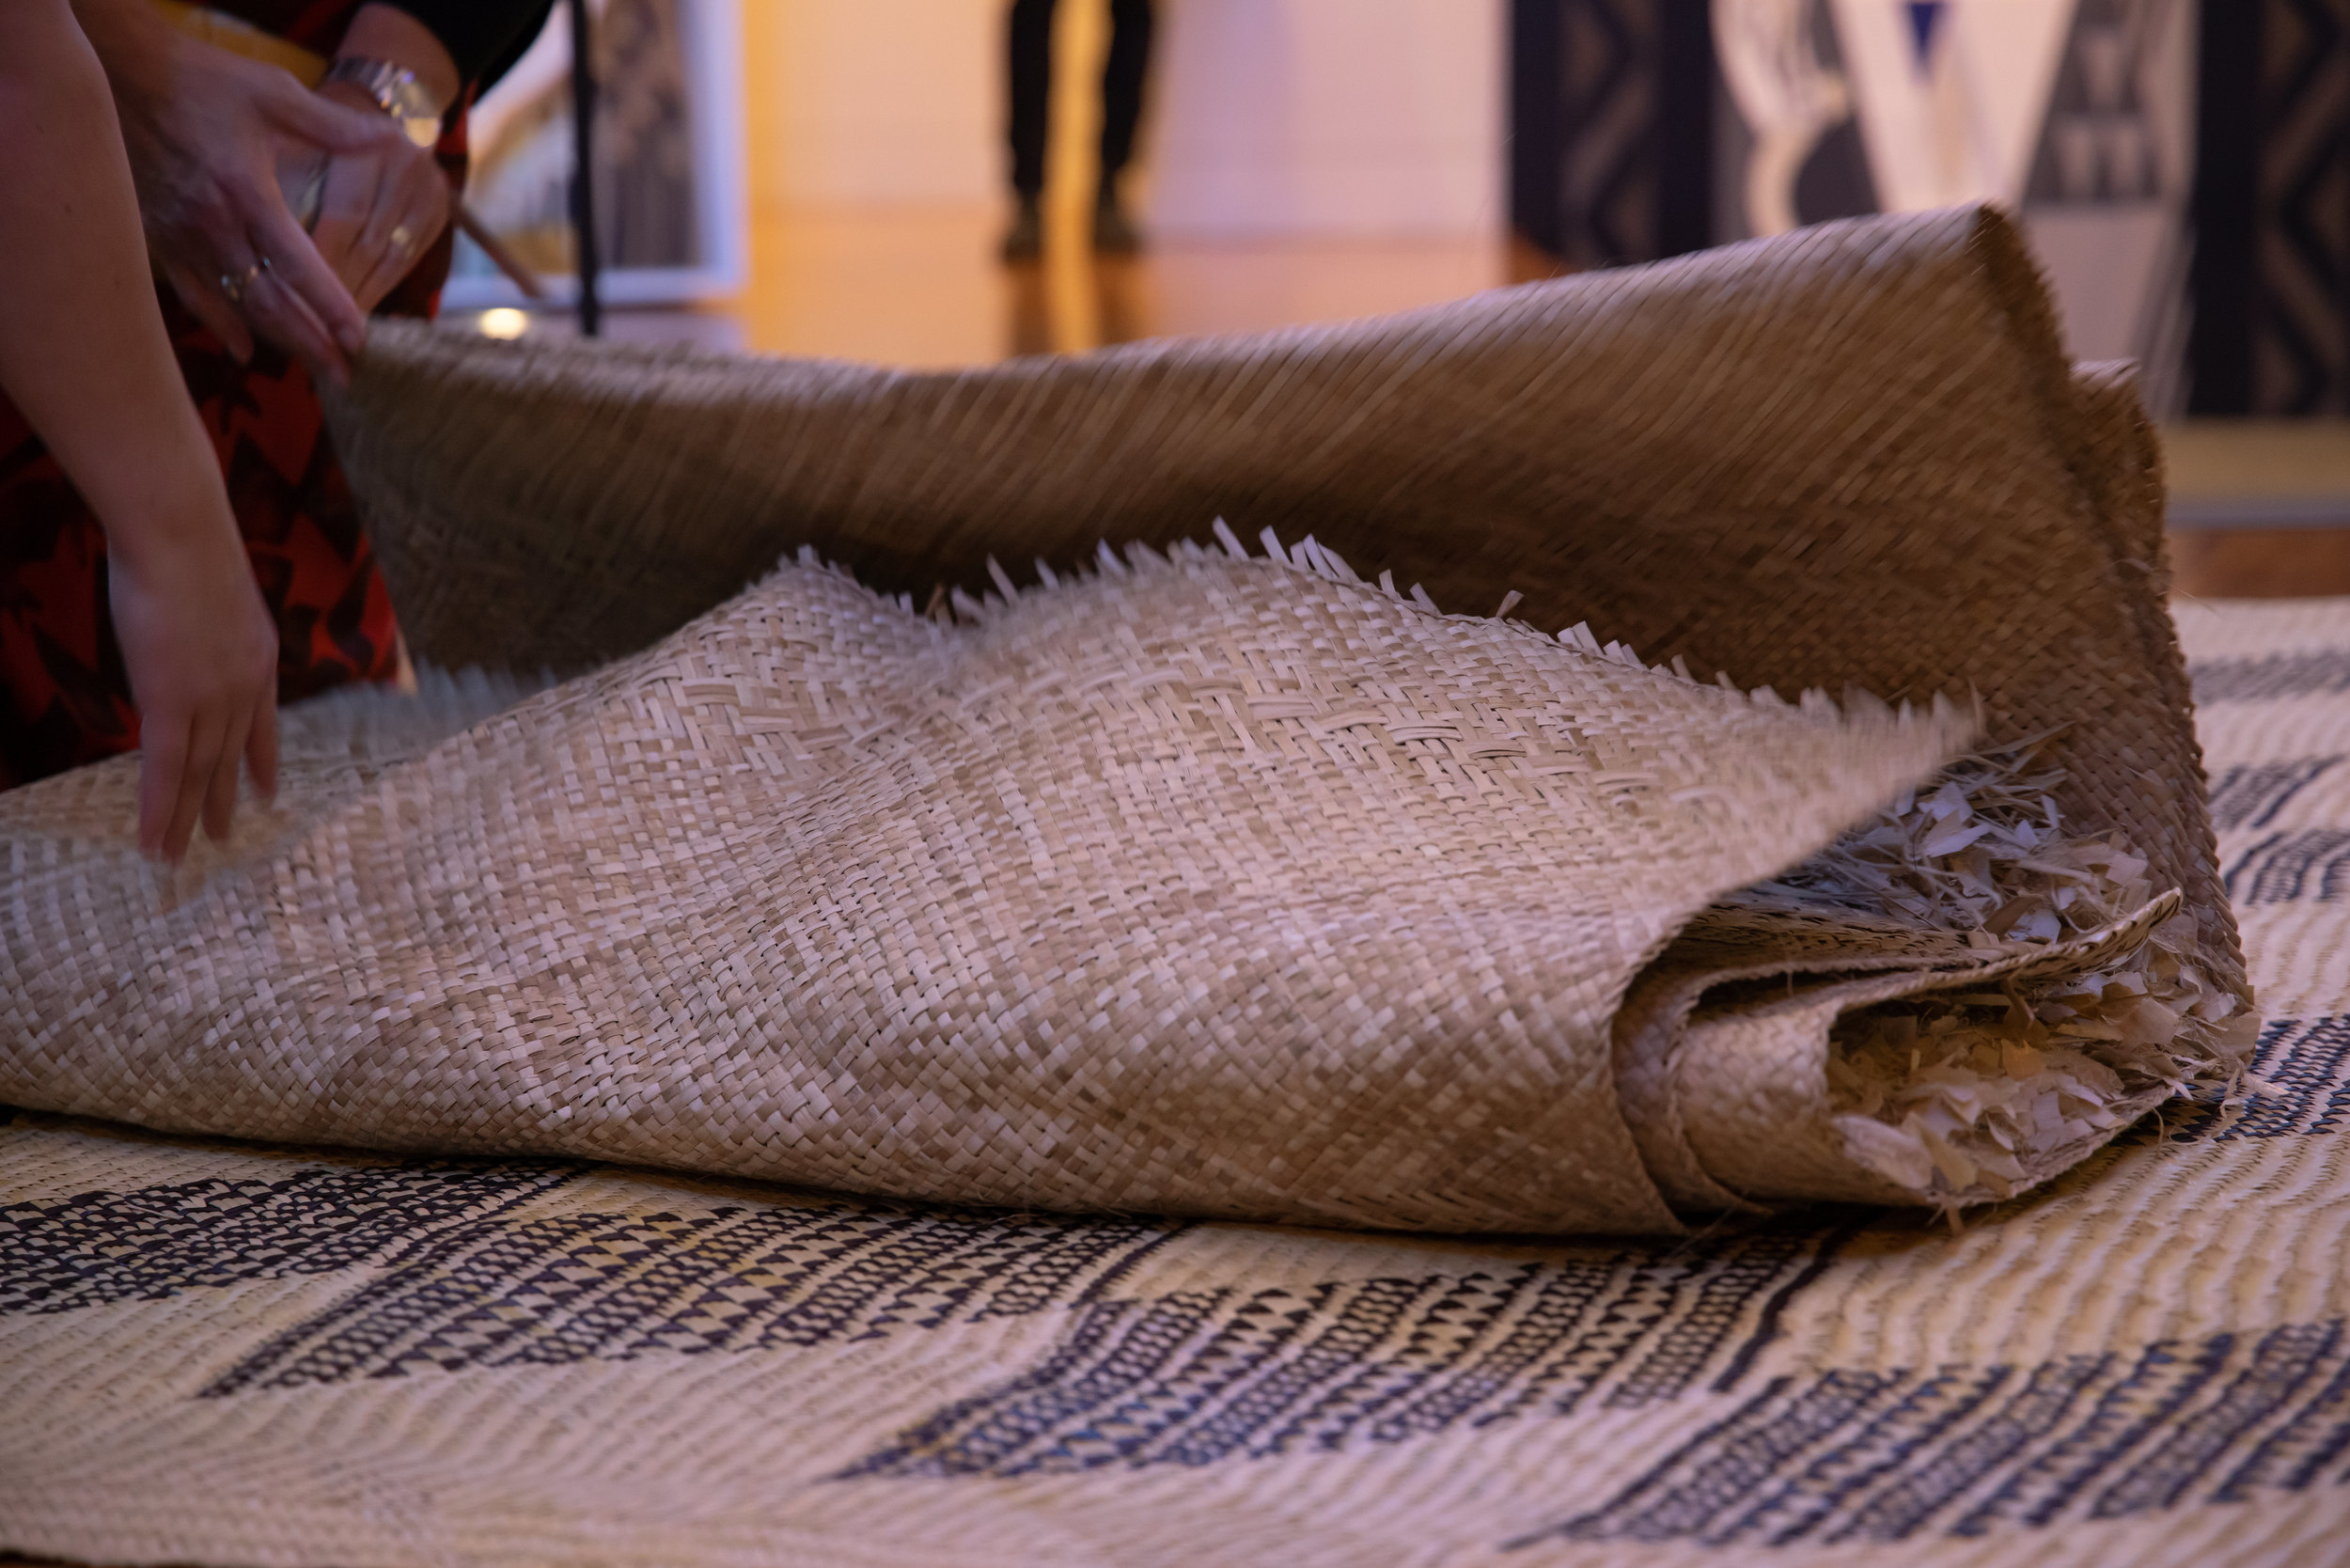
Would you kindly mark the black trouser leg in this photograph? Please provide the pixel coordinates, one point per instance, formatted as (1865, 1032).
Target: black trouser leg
(1031, 83)
(1123, 77)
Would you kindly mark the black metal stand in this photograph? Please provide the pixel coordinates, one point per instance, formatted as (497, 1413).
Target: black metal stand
(582, 171)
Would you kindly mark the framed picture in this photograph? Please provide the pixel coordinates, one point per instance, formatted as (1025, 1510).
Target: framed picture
(669, 183)
(2077, 114)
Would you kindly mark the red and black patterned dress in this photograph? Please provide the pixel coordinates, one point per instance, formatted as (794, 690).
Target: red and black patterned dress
(64, 695)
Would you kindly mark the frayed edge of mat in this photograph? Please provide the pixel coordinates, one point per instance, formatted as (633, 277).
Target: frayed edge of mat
(956, 606)
(379, 725)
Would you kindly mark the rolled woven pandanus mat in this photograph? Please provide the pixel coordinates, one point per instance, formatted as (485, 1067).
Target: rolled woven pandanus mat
(1127, 796)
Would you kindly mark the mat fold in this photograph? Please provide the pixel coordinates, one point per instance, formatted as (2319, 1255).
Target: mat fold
(1188, 875)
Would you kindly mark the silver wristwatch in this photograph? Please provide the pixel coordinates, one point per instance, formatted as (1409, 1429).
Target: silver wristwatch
(395, 91)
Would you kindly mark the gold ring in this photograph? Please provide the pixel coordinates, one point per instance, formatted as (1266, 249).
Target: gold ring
(235, 284)
(402, 238)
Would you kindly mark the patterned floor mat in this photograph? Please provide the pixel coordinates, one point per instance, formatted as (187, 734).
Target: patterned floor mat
(223, 1354)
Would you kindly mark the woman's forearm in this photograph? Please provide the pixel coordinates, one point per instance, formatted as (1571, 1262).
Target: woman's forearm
(82, 351)
(83, 355)
(139, 50)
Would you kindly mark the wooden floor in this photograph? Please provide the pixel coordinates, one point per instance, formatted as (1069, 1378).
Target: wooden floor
(2259, 509)
(924, 288)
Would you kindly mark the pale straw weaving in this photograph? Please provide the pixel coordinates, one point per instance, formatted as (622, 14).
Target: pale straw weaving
(1113, 909)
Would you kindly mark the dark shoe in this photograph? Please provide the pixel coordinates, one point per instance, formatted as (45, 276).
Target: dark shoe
(1114, 232)
(1025, 240)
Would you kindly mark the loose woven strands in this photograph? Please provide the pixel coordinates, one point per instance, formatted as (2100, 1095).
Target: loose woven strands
(1196, 880)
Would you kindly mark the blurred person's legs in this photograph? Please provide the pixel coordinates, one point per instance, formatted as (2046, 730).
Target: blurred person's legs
(1031, 83)
(1124, 74)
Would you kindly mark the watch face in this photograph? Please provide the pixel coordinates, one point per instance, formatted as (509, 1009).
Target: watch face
(406, 102)
(397, 93)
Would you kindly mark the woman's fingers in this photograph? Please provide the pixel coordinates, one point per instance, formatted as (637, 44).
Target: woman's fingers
(407, 226)
(380, 212)
(298, 303)
(297, 110)
(260, 746)
(268, 276)
(220, 793)
(352, 190)
(286, 318)
(163, 758)
(206, 731)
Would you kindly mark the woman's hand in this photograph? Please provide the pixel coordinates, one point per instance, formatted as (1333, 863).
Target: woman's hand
(201, 651)
(205, 131)
(379, 208)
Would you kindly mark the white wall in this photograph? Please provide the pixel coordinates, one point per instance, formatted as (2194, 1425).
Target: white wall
(1330, 117)
(1267, 116)
(879, 102)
